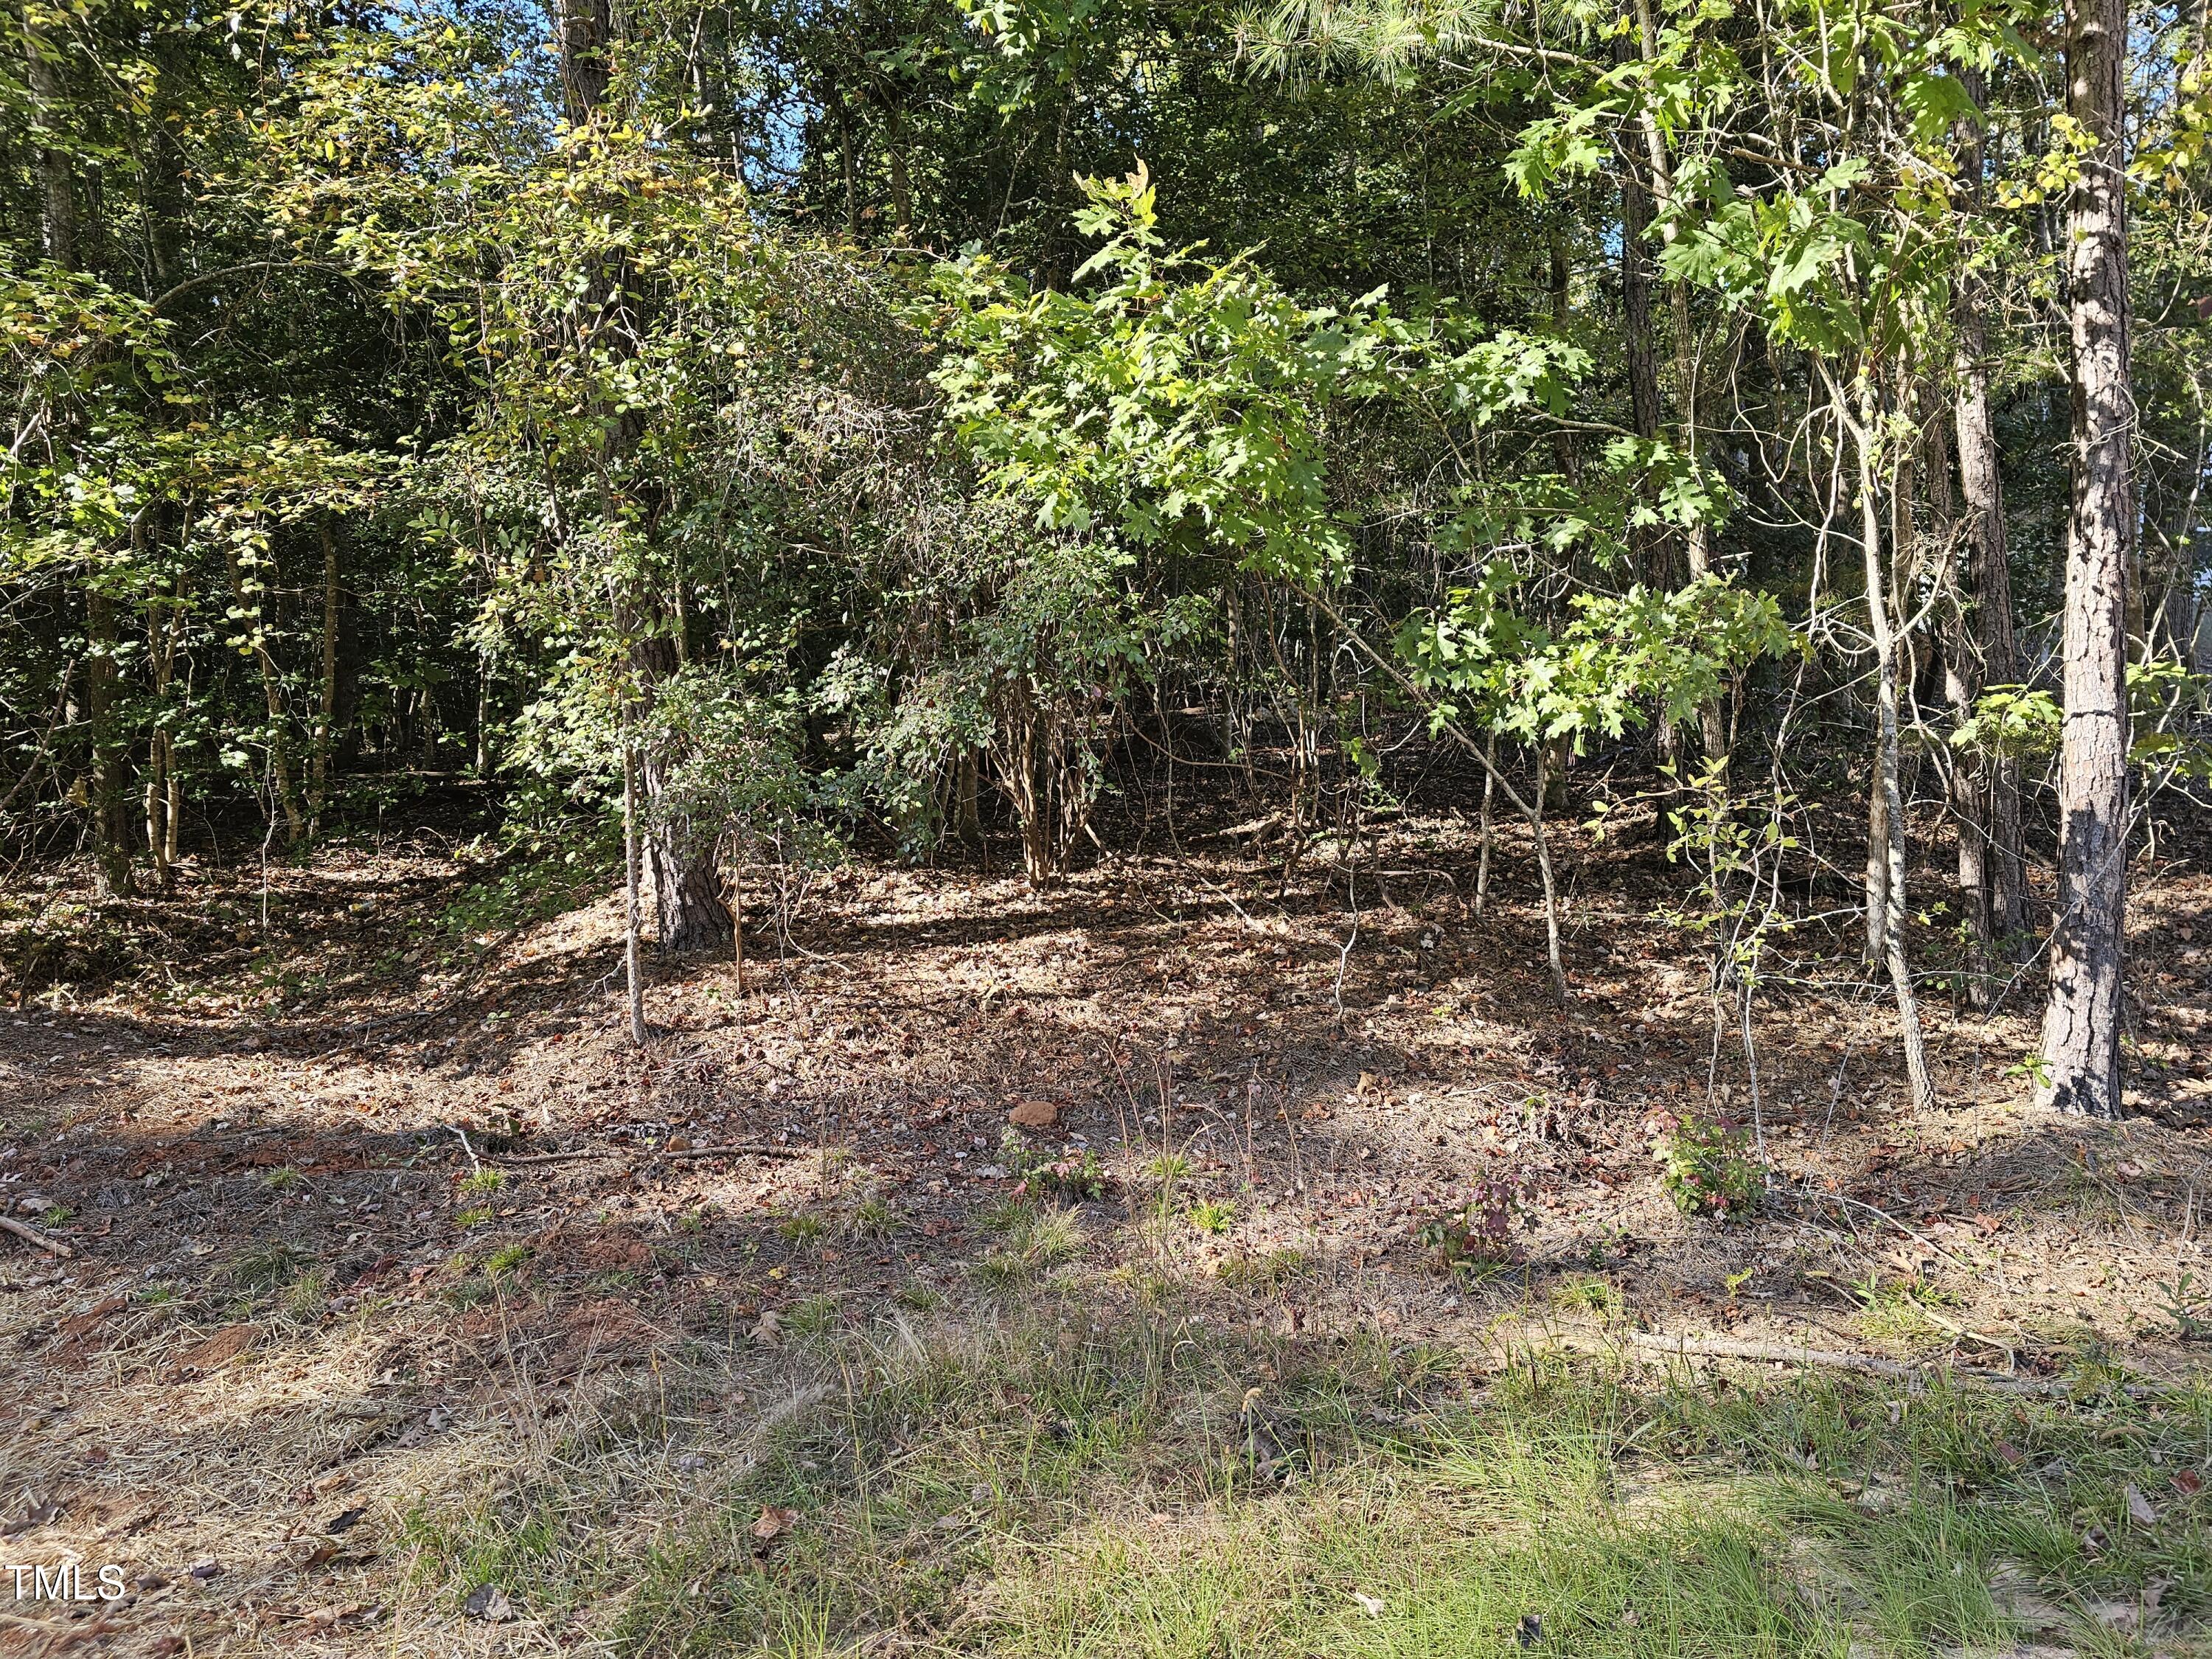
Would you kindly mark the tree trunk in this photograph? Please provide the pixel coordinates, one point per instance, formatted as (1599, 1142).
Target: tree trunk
(111, 816)
(1636, 305)
(2080, 1070)
(587, 30)
(326, 703)
(1885, 901)
(56, 187)
(633, 965)
(2002, 877)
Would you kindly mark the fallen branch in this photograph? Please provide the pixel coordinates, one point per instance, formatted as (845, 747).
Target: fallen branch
(727, 1149)
(30, 1234)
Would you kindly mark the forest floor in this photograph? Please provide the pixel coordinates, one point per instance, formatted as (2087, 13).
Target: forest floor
(410, 1310)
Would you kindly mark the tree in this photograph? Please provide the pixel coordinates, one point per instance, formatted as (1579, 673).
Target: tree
(2080, 1058)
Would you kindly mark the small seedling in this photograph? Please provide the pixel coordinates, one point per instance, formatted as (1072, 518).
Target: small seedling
(2190, 1309)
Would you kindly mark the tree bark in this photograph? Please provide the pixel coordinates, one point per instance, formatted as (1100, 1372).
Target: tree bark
(587, 32)
(56, 187)
(2080, 1070)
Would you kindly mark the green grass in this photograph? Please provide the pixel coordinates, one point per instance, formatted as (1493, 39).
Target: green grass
(1040, 1478)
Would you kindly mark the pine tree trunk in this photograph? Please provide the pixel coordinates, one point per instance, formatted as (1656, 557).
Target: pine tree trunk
(2080, 1070)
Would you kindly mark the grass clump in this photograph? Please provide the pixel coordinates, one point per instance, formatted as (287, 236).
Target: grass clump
(1031, 1242)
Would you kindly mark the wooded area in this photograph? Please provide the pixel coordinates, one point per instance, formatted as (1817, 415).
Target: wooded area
(815, 427)
(1546, 523)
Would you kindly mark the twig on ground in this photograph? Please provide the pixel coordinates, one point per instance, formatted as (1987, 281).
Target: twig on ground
(30, 1234)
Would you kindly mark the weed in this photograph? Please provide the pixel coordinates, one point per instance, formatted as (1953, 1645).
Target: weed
(281, 1179)
(54, 1214)
(268, 1268)
(1589, 1293)
(1476, 1237)
(1212, 1216)
(482, 1183)
(476, 1216)
(1071, 1175)
(801, 1228)
(874, 1218)
(1703, 1166)
(2189, 1309)
(505, 1260)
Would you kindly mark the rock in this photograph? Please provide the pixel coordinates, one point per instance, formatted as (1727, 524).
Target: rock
(1034, 1115)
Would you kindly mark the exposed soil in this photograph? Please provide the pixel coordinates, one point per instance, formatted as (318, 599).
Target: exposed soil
(256, 1115)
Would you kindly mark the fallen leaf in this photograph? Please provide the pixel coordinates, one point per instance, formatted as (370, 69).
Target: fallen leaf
(1372, 1605)
(489, 1603)
(773, 1522)
(2188, 1483)
(2139, 1509)
(343, 1520)
(225, 1344)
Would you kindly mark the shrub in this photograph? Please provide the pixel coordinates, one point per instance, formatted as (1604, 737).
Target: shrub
(1703, 1166)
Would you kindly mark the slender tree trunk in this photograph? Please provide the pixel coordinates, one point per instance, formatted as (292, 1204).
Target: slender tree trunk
(847, 164)
(633, 963)
(1884, 900)
(2080, 1070)
(280, 758)
(326, 703)
(1989, 577)
(57, 186)
(110, 825)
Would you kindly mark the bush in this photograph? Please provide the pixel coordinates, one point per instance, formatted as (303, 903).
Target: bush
(1703, 1166)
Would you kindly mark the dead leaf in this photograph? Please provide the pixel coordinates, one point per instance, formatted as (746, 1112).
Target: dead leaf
(770, 1525)
(2188, 1483)
(225, 1344)
(489, 1603)
(343, 1520)
(2139, 1509)
(1372, 1605)
(769, 1328)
